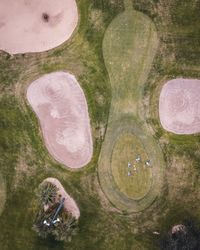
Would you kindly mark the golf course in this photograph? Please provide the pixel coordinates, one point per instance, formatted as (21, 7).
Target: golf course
(129, 46)
(99, 102)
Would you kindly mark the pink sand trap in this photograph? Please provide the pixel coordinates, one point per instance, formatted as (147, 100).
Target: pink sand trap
(61, 107)
(179, 106)
(69, 204)
(36, 25)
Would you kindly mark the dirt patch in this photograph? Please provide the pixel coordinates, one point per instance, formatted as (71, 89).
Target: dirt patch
(23, 170)
(183, 181)
(2, 194)
(179, 106)
(35, 26)
(69, 204)
(61, 107)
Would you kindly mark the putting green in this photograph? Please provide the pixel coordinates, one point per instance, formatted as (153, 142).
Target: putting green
(132, 177)
(129, 46)
(2, 194)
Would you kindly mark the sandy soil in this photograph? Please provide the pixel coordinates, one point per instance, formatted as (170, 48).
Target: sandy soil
(2, 193)
(179, 106)
(35, 26)
(178, 228)
(61, 107)
(69, 204)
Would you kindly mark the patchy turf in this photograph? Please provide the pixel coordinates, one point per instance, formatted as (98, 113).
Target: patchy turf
(129, 47)
(133, 180)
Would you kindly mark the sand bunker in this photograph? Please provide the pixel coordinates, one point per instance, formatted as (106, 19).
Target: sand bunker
(179, 106)
(61, 107)
(69, 204)
(36, 25)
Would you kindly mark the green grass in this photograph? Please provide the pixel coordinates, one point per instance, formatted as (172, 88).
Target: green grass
(25, 162)
(126, 149)
(129, 46)
(112, 191)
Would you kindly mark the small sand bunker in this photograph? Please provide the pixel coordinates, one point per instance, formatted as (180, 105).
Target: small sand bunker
(36, 25)
(179, 106)
(61, 107)
(69, 204)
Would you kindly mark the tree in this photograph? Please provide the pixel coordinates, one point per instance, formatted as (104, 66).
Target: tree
(182, 237)
(67, 228)
(47, 193)
(45, 225)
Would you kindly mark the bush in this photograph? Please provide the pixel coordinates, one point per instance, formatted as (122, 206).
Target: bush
(187, 238)
(65, 227)
(47, 193)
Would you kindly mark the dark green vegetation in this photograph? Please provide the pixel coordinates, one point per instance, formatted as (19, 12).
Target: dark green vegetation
(25, 162)
(187, 237)
(60, 231)
(50, 210)
(47, 193)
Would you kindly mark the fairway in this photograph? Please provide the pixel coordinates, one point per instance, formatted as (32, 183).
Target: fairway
(129, 46)
(132, 175)
(2, 194)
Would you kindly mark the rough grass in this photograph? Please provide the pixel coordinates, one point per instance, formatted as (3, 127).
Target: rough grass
(129, 47)
(126, 149)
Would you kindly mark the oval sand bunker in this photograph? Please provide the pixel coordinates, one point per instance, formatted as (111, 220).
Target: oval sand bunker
(36, 25)
(179, 106)
(61, 107)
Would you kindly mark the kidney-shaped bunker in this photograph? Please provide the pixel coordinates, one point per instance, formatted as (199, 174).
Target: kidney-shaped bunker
(35, 26)
(179, 106)
(61, 107)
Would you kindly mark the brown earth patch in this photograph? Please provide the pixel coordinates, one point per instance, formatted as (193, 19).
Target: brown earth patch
(183, 180)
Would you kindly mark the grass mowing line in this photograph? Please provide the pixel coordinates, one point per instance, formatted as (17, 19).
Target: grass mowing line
(129, 47)
(108, 184)
(2, 194)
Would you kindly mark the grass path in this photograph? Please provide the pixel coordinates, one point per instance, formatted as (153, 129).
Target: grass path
(129, 47)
